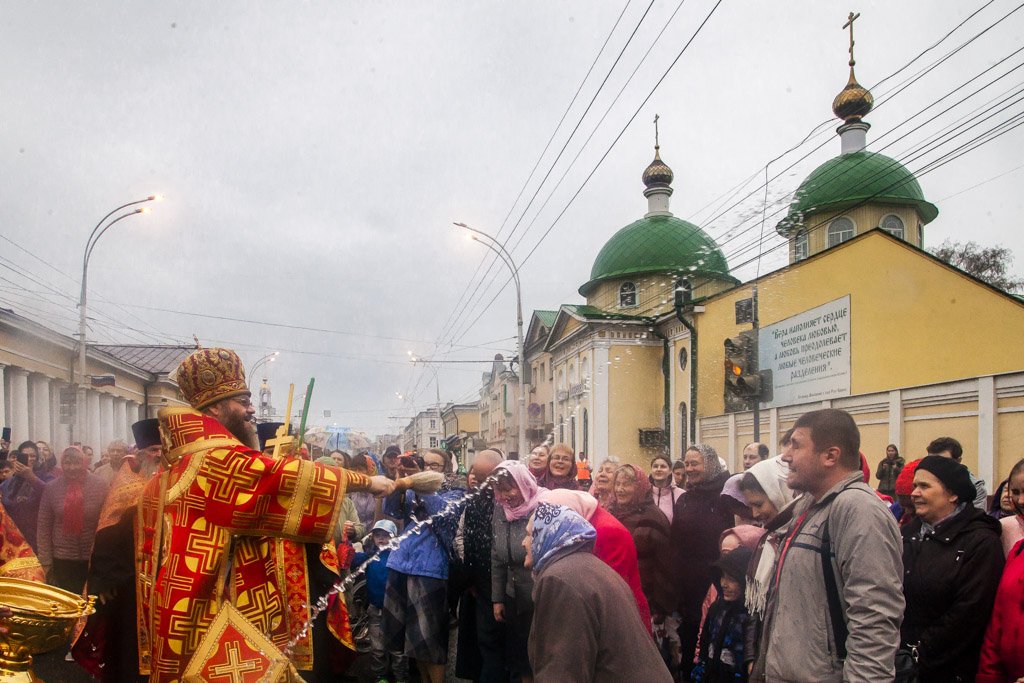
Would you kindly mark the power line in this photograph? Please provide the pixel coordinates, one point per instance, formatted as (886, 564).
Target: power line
(601, 160)
(536, 165)
(551, 167)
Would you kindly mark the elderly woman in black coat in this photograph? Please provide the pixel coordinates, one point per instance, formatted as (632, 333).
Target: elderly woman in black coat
(699, 518)
(952, 561)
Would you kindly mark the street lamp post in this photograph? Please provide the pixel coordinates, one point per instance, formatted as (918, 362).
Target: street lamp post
(506, 258)
(269, 358)
(90, 244)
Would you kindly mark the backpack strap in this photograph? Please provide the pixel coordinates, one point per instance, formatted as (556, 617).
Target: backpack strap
(840, 632)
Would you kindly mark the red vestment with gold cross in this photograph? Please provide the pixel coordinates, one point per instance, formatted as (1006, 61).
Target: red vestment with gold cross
(223, 508)
(17, 559)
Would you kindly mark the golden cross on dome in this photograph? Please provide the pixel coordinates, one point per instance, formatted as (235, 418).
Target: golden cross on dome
(656, 131)
(849, 23)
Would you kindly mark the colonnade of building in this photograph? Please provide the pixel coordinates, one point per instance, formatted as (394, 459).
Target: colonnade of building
(32, 409)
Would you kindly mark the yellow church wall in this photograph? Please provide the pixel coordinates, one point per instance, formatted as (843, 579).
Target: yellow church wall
(873, 440)
(903, 296)
(655, 294)
(1009, 439)
(635, 397)
(570, 325)
(917, 434)
(864, 218)
(941, 409)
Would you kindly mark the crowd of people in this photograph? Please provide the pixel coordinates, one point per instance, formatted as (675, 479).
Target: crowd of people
(794, 569)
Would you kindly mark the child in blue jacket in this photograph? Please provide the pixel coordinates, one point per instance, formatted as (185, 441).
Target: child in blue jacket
(376, 579)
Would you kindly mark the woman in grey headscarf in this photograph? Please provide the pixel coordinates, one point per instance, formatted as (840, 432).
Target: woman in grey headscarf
(698, 522)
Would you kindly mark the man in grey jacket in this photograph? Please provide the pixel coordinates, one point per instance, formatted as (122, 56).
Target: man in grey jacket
(839, 515)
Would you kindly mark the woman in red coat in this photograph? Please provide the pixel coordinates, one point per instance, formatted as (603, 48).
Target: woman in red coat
(614, 544)
(1002, 651)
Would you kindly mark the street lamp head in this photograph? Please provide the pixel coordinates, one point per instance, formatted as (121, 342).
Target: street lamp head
(277, 353)
(272, 360)
(156, 198)
(145, 209)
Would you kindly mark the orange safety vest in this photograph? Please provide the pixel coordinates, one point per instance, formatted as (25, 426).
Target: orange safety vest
(583, 471)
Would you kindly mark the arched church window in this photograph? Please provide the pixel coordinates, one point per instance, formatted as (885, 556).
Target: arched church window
(627, 295)
(920, 234)
(584, 369)
(893, 225)
(840, 230)
(800, 246)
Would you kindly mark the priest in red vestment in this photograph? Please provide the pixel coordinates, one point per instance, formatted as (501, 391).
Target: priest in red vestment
(223, 504)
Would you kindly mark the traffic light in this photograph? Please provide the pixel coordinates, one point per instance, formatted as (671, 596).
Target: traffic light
(742, 380)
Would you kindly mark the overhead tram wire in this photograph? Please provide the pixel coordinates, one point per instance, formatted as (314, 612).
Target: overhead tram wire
(607, 111)
(722, 242)
(911, 155)
(586, 142)
(572, 134)
(536, 165)
(898, 89)
(97, 295)
(935, 166)
(819, 128)
(913, 79)
(5, 263)
(603, 157)
(978, 141)
(839, 176)
(826, 123)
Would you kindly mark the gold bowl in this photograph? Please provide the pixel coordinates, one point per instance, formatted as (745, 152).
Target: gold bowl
(41, 620)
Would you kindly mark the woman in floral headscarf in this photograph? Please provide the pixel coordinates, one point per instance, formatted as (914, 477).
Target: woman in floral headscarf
(517, 494)
(606, 640)
(697, 525)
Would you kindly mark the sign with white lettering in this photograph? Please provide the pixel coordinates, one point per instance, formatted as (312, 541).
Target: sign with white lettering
(808, 354)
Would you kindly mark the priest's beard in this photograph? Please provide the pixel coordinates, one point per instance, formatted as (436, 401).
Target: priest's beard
(244, 431)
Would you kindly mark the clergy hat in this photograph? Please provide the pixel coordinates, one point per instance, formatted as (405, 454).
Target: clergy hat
(209, 375)
(267, 431)
(146, 433)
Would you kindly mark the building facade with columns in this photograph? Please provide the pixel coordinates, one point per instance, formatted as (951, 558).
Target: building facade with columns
(36, 392)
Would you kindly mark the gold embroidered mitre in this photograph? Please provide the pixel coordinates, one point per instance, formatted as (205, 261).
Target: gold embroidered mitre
(209, 375)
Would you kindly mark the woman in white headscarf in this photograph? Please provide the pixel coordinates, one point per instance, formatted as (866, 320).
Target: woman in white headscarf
(764, 487)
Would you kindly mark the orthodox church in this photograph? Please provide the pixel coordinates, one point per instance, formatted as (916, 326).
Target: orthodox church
(639, 369)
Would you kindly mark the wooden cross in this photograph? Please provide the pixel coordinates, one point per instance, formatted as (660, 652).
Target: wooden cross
(280, 441)
(655, 131)
(849, 23)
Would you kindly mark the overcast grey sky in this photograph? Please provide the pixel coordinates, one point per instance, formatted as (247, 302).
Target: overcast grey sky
(315, 154)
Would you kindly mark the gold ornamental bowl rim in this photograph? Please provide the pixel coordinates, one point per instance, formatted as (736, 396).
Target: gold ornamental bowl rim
(35, 599)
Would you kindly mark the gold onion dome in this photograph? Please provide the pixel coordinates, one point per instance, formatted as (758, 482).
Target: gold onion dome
(657, 173)
(853, 102)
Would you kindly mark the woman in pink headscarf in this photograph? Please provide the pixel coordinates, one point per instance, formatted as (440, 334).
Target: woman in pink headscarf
(517, 495)
(614, 544)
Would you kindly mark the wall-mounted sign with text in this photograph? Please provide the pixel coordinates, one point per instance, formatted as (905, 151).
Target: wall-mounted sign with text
(808, 354)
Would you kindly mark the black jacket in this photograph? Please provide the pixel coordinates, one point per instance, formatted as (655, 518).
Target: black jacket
(699, 518)
(950, 580)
